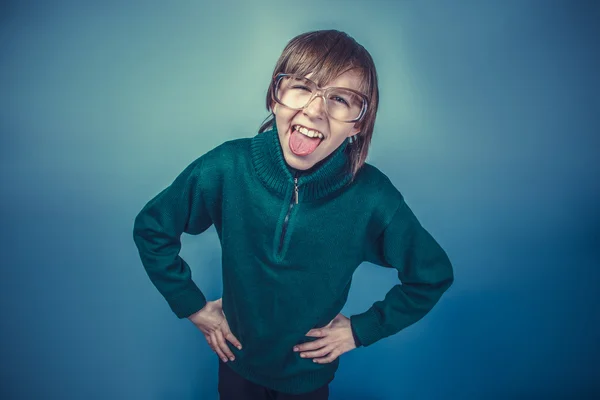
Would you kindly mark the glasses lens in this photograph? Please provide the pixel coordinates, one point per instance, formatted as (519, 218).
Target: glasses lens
(296, 92)
(344, 105)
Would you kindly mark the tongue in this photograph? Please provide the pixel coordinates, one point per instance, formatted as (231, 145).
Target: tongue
(302, 145)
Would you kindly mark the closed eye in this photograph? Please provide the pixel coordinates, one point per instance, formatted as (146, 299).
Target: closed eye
(301, 87)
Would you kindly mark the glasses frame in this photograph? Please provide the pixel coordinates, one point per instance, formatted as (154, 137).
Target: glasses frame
(322, 93)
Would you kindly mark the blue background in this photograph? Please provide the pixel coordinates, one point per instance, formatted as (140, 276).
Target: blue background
(488, 124)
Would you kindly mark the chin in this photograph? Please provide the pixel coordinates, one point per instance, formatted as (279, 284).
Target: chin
(294, 162)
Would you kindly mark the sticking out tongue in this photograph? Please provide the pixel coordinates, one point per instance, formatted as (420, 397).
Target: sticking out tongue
(302, 145)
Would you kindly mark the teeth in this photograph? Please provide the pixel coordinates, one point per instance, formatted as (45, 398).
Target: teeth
(309, 132)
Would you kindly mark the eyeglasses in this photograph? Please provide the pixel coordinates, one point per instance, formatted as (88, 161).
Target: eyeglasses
(342, 104)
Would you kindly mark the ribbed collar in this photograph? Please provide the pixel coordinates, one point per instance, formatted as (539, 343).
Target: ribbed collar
(318, 182)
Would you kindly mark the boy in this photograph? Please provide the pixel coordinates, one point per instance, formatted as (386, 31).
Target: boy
(297, 210)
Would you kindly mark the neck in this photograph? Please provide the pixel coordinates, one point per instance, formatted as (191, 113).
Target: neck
(323, 178)
(301, 172)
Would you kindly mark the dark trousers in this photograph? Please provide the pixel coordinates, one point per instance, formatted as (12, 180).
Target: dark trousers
(234, 387)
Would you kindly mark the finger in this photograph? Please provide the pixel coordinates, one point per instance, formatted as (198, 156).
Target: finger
(229, 335)
(223, 345)
(232, 339)
(316, 333)
(324, 360)
(317, 353)
(210, 343)
(217, 348)
(315, 344)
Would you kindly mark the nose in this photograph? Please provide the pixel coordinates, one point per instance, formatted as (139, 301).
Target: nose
(316, 107)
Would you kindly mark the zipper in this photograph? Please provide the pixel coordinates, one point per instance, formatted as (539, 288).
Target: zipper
(293, 201)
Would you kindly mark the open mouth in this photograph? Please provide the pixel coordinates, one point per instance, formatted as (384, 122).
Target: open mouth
(304, 141)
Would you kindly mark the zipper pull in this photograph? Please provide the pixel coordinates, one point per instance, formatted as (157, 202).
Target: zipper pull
(296, 189)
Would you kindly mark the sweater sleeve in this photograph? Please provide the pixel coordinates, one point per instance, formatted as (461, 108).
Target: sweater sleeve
(157, 231)
(423, 269)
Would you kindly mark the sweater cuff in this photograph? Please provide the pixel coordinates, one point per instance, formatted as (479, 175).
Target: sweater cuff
(356, 339)
(366, 326)
(187, 302)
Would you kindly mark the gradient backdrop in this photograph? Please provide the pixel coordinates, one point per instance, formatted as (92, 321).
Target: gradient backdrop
(488, 125)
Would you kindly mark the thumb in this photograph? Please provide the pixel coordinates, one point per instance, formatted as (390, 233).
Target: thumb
(332, 321)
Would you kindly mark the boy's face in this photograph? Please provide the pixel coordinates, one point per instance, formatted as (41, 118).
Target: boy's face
(314, 117)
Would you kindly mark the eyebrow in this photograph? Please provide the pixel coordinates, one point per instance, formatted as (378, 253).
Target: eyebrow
(336, 87)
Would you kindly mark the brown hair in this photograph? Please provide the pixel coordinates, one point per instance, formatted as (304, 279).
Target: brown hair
(328, 54)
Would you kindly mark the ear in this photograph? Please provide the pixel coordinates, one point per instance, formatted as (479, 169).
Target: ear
(355, 129)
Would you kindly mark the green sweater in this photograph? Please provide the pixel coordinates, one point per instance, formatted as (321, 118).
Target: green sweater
(288, 256)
